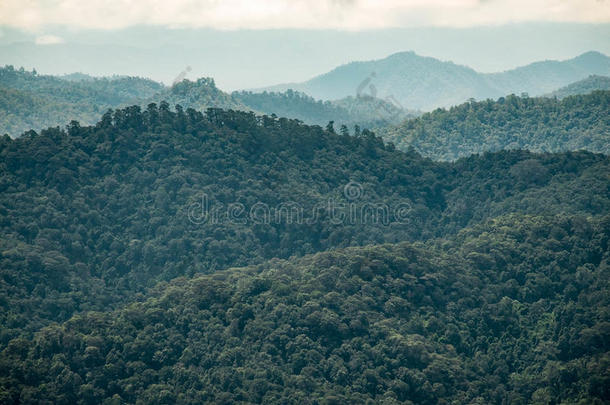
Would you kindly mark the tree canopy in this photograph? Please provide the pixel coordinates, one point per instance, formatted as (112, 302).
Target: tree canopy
(540, 124)
(482, 280)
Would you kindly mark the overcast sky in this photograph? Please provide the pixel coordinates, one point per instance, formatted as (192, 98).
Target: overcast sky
(317, 14)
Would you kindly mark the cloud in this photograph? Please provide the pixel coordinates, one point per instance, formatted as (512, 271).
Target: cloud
(317, 14)
(48, 40)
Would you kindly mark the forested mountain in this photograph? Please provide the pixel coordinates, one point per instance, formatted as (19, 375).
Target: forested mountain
(32, 101)
(536, 124)
(425, 83)
(584, 86)
(368, 94)
(512, 311)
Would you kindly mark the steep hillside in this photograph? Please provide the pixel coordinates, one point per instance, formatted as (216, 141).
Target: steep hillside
(512, 311)
(536, 124)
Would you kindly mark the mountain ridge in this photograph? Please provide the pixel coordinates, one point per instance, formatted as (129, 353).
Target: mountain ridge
(425, 83)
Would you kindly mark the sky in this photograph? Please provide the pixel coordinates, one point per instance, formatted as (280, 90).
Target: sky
(250, 44)
(302, 14)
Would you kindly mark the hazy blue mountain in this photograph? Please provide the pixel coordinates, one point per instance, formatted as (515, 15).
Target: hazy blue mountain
(542, 77)
(245, 59)
(426, 83)
(585, 86)
(415, 81)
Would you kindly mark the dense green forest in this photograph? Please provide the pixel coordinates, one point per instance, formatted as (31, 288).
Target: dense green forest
(100, 91)
(92, 215)
(515, 310)
(538, 124)
(472, 304)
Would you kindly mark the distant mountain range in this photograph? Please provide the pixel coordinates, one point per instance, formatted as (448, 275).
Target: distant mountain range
(425, 83)
(368, 94)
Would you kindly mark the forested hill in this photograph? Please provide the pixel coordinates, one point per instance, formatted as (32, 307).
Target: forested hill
(32, 101)
(100, 91)
(364, 111)
(538, 124)
(585, 86)
(512, 311)
(199, 95)
(92, 215)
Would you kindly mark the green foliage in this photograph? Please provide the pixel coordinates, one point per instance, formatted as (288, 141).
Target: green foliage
(585, 86)
(501, 297)
(515, 310)
(93, 215)
(537, 124)
(98, 91)
(199, 95)
(31, 101)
